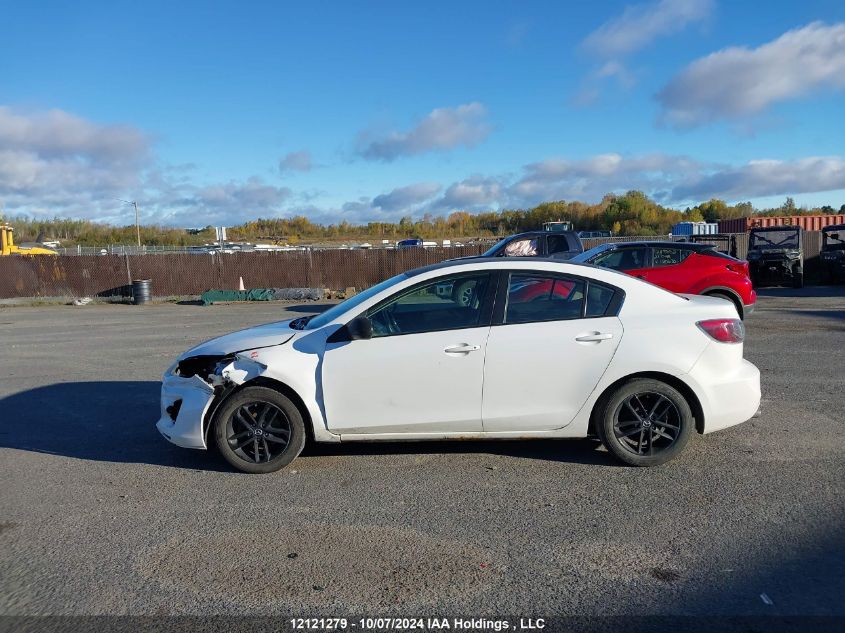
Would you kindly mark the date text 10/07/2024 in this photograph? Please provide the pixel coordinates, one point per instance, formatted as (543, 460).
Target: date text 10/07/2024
(418, 624)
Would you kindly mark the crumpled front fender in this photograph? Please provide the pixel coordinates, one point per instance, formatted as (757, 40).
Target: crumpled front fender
(239, 370)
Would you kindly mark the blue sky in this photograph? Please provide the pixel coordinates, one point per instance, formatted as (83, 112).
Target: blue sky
(219, 112)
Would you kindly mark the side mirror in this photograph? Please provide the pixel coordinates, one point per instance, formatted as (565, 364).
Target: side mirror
(359, 328)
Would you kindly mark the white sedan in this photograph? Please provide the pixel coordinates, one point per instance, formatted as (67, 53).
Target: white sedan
(471, 349)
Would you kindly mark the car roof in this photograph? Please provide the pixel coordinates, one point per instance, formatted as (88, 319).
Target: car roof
(538, 233)
(502, 262)
(834, 227)
(692, 246)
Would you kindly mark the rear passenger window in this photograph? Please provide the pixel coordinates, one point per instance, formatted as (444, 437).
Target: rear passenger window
(557, 244)
(669, 256)
(543, 298)
(598, 300)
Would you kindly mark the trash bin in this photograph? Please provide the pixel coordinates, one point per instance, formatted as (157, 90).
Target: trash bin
(141, 291)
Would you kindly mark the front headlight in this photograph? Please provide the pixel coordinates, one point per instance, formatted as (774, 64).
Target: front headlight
(201, 366)
(753, 255)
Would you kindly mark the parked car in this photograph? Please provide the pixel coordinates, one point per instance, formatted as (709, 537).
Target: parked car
(833, 253)
(556, 244)
(587, 234)
(776, 256)
(611, 356)
(683, 267)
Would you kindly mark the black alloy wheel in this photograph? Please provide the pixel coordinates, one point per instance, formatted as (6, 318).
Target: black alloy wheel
(259, 430)
(647, 423)
(644, 422)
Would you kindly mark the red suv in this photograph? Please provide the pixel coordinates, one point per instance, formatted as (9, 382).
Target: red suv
(680, 267)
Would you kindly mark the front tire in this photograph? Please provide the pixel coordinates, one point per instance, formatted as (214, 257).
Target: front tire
(259, 430)
(645, 422)
(798, 279)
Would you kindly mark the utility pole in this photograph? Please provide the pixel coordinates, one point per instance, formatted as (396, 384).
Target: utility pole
(137, 225)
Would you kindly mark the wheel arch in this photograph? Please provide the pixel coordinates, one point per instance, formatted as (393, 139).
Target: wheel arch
(673, 381)
(270, 383)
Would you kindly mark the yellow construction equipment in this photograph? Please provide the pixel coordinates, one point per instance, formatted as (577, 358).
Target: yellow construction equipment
(7, 245)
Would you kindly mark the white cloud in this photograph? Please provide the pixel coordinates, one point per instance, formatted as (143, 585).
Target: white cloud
(472, 193)
(738, 81)
(440, 129)
(759, 178)
(590, 178)
(54, 157)
(639, 25)
(402, 198)
(296, 161)
(77, 168)
(56, 163)
(636, 28)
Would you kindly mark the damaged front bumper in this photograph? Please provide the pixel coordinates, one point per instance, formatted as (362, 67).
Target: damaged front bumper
(184, 403)
(186, 400)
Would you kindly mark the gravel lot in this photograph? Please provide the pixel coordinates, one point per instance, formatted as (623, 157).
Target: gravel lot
(100, 515)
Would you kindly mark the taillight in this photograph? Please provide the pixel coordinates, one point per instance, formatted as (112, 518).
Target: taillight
(723, 330)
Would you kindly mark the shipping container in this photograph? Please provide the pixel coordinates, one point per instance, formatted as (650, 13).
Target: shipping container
(806, 222)
(695, 228)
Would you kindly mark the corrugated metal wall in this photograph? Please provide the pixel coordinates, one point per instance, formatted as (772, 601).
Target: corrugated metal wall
(807, 222)
(187, 274)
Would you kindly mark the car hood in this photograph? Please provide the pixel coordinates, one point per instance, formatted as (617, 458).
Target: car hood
(251, 338)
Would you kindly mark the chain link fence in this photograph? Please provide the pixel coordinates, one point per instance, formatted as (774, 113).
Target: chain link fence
(184, 274)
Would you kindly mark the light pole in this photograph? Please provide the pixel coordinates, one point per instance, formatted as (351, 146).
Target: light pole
(137, 226)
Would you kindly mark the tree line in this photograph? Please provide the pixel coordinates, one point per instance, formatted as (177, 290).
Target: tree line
(632, 213)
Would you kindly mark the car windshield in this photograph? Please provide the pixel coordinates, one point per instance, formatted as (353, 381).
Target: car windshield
(586, 256)
(774, 239)
(332, 313)
(834, 240)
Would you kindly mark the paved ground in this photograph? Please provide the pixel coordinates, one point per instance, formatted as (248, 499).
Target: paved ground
(99, 515)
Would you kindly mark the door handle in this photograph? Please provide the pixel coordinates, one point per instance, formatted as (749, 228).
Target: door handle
(595, 337)
(466, 348)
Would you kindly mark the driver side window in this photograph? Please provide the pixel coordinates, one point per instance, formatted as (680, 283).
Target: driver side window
(622, 259)
(446, 303)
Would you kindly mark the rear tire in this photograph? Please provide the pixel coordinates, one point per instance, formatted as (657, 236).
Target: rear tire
(645, 422)
(259, 430)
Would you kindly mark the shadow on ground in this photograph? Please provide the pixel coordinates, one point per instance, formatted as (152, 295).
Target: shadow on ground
(585, 451)
(115, 422)
(807, 291)
(102, 421)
